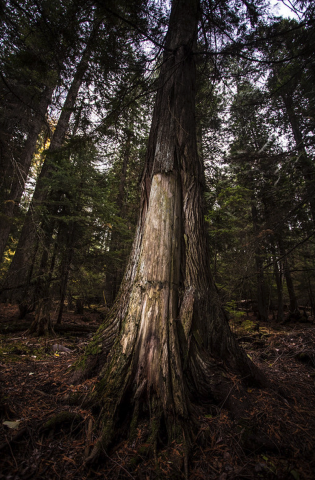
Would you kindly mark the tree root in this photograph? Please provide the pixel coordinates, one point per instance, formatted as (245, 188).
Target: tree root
(65, 419)
(149, 444)
(88, 438)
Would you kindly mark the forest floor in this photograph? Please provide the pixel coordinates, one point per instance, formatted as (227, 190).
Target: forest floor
(273, 439)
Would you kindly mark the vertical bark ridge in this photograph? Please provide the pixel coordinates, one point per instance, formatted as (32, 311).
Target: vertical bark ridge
(146, 361)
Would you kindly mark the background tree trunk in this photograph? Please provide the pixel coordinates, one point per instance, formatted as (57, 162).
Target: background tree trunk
(20, 177)
(262, 297)
(116, 273)
(279, 282)
(294, 307)
(19, 268)
(304, 162)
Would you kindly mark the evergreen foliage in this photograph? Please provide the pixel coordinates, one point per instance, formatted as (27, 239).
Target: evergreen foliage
(252, 69)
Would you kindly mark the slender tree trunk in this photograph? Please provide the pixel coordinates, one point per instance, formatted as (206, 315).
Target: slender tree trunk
(167, 334)
(123, 175)
(115, 276)
(311, 296)
(63, 287)
(28, 303)
(22, 169)
(42, 324)
(304, 162)
(294, 307)
(43, 282)
(6, 164)
(262, 297)
(32, 296)
(279, 283)
(21, 261)
(65, 270)
(8, 152)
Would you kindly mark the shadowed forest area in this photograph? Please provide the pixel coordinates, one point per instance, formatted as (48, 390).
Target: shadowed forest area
(157, 211)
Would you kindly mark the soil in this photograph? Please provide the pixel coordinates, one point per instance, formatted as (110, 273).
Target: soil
(44, 434)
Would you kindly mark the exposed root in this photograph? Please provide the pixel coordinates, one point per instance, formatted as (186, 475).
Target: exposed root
(278, 423)
(88, 438)
(67, 419)
(125, 407)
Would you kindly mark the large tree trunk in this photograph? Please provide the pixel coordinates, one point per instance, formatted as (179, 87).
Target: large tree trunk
(167, 336)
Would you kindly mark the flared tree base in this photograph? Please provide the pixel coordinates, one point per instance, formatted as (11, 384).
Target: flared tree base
(42, 325)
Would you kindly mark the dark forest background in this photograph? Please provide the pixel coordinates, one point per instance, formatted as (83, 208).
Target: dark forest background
(77, 86)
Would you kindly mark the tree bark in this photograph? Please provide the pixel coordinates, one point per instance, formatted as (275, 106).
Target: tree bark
(166, 337)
